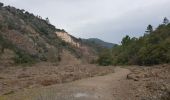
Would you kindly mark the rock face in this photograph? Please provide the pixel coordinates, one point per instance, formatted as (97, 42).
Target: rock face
(67, 38)
(87, 52)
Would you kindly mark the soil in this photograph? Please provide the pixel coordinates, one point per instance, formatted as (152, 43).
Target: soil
(96, 88)
(149, 83)
(17, 78)
(130, 83)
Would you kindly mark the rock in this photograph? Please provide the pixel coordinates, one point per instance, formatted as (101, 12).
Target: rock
(4, 83)
(132, 76)
(23, 75)
(2, 77)
(167, 87)
(9, 92)
(136, 79)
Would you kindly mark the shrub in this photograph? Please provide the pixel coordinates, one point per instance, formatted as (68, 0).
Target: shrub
(105, 58)
(23, 58)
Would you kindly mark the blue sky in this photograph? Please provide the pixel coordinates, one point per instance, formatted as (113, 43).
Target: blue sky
(109, 20)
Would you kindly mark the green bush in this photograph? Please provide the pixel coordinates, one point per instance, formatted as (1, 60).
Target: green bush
(23, 58)
(105, 58)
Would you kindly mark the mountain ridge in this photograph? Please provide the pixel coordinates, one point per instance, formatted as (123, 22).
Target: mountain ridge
(101, 42)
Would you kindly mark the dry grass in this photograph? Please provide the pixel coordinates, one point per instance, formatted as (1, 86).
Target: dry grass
(45, 74)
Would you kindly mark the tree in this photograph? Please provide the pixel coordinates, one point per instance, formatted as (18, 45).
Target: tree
(47, 20)
(105, 58)
(125, 40)
(1, 4)
(149, 29)
(165, 21)
(22, 10)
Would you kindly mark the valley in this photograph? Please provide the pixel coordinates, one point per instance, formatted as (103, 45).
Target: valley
(41, 62)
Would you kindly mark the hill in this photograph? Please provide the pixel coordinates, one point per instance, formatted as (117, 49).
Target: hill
(96, 41)
(26, 38)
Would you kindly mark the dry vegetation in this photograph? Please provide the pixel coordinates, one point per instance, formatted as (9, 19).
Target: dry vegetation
(13, 79)
(148, 83)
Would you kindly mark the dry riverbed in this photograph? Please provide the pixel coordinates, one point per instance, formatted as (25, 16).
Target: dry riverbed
(103, 83)
(17, 78)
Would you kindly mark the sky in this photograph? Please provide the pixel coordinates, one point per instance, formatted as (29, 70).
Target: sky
(109, 20)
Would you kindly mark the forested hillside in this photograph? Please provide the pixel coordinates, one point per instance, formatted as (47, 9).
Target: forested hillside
(150, 49)
(98, 42)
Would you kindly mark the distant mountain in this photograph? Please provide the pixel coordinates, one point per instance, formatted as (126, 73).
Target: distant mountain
(96, 41)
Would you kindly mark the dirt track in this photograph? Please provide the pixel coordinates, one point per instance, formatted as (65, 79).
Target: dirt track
(96, 88)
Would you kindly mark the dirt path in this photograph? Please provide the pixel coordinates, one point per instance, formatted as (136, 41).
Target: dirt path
(96, 88)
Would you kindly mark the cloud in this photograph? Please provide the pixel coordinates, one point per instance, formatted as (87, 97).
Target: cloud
(109, 20)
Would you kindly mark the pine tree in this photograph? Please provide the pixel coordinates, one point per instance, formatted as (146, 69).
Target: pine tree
(149, 29)
(47, 20)
(125, 40)
(1, 4)
(165, 21)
